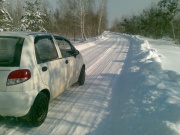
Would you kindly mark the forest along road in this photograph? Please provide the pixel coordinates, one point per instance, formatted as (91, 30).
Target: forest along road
(79, 110)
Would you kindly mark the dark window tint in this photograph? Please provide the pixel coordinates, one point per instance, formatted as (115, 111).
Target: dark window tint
(45, 50)
(65, 48)
(10, 51)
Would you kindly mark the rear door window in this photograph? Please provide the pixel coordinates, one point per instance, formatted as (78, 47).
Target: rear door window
(45, 50)
(10, 51)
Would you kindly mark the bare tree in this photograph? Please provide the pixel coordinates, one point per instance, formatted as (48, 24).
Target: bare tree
(82, 18)
(74, 14)
(101, 14)
(17, 13)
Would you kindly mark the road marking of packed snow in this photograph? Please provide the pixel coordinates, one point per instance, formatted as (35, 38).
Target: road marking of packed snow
(101, 57)
(94, 55)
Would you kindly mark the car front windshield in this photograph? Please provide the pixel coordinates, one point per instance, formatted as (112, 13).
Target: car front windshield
(10, 50)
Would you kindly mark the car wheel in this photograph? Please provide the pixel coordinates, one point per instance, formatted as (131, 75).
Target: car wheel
(39, 109)
(1, 118)
(82, 75)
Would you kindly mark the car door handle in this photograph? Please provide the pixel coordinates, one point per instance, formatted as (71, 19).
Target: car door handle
(66, 61)
(44, 69)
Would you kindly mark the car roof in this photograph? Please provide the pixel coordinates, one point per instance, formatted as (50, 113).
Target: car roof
(22, 34)
(60, 37)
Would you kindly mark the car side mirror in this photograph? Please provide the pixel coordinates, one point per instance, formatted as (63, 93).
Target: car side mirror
(76, 52)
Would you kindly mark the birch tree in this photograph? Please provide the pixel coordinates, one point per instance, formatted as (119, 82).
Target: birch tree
(82, 18)
(18, 12)
(75, 12)
(15, 8)
(101, 14)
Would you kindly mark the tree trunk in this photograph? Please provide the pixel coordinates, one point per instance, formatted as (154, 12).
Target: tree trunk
(102, 10)
(172, 26)
(82, 24)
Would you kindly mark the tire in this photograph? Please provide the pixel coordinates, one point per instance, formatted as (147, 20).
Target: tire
(1, 118)
(82, 75)
(39, 109)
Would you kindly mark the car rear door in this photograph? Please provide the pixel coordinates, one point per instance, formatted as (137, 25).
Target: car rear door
(49, 64)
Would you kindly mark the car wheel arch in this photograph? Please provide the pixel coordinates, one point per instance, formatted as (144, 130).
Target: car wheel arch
(81, 78)
(47, 92)
(83, 66)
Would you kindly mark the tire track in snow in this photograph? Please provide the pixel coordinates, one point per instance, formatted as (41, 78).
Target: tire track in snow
(95, 117)
(90, 55)
(93, 56)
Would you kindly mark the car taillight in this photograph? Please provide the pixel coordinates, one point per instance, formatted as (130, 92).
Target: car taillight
(18, 76)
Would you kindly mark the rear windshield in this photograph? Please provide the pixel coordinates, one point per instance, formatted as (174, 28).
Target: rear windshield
(10, 51)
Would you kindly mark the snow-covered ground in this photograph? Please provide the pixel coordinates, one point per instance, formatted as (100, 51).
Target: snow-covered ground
(132, 88)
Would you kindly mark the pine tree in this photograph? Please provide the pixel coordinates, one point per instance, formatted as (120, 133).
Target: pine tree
(5, 18)
(33, 18)
(168, 11)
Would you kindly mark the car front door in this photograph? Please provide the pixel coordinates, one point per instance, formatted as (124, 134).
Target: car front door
(67, 53)
(49, 64)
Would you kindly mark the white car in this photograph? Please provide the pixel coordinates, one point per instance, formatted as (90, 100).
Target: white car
(34, 69)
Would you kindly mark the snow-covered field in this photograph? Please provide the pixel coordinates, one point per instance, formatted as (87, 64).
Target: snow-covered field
(132, 88)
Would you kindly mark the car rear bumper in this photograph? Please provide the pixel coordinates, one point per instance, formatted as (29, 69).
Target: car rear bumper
(16, 104)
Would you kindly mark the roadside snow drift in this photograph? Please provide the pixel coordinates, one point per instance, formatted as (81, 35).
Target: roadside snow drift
(130, 89)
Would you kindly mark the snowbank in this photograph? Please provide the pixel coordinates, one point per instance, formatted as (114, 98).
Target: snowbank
(151, 60)
(157, 99)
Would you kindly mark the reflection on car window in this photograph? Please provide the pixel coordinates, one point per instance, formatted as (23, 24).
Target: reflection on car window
(10, 51)
(45, 50)
(65, 48)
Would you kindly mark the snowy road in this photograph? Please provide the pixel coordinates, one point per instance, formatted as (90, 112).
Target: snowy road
(81, 109)
(127, 92)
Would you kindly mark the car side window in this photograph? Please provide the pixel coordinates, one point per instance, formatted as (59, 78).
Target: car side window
(45, 50)
(10, 51)
(65, 48)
